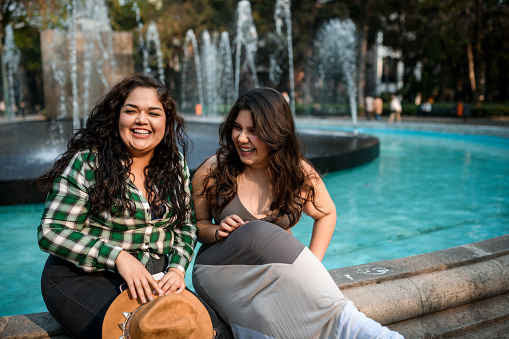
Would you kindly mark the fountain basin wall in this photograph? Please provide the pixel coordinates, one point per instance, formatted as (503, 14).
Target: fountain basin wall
(26, 152)
(460, 292)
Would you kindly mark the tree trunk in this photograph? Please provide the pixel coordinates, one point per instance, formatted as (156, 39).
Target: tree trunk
(5, 84)
(361, 86)
(471, 72)
(479, 70)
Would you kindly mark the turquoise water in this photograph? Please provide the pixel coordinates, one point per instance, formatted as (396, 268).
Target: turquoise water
(426, 192)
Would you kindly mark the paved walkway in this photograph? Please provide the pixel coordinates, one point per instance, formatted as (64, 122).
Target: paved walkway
(498, 126)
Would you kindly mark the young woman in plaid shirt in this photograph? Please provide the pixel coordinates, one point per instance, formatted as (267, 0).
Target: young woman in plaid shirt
(118, 208)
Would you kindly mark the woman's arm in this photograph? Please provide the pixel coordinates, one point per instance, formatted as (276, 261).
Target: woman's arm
(65, 213)
(208, 232)
(61, 231)
(324, 216)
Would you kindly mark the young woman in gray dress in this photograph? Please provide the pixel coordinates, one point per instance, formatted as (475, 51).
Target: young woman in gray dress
(259, 278)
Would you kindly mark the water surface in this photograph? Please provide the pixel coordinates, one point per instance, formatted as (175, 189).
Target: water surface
(426, 192)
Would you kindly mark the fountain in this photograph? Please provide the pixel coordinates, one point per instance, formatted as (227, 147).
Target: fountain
(282, 15)
(224, 73)
(23, 156)
(334, 60)
(247, 37)
(83, 60)
(10, 65)
(152, 38)
(214, 70)
(336, 55)
(213, 67)
(191, 46)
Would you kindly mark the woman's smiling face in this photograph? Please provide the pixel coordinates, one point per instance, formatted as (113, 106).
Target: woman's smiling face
(142, 121)
(252, 150)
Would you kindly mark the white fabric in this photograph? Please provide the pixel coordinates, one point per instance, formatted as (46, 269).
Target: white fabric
(355, 325)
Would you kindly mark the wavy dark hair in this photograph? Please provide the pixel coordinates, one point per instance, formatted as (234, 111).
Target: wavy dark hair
(274, 125)
(101, 135)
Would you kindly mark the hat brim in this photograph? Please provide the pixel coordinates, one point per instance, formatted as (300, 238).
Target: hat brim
(126, 303)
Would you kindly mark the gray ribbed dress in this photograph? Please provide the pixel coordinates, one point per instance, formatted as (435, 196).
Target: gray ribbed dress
(266, 284)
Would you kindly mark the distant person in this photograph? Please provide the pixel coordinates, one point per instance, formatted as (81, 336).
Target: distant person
(2, 107)
(395, 108)
(119, 208)
(426, 108)
(286, 96)
(23, 109)
(418, 99)
(378, 107)
(417, 102)
(369, 107)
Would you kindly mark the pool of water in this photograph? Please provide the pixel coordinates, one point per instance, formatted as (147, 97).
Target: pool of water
(426, 192)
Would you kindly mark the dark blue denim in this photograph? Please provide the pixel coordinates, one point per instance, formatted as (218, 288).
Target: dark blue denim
(78, 301)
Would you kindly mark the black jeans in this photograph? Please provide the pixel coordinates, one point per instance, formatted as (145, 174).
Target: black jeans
(78, 300)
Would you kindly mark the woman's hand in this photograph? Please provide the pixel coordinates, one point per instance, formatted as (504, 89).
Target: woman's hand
(173, 281)
(227, 226)
(139, 281)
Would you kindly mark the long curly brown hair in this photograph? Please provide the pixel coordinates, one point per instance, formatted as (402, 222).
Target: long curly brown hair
(274, 125)
(101, 136)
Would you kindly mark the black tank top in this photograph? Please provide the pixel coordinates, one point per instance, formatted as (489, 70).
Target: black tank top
(236, 207)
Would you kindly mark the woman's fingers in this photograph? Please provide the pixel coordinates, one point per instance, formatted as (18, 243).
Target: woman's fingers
(230, 223)
(139, 281)
(237, 219)
(173, 281)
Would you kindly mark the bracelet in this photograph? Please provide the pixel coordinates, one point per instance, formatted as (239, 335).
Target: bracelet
(215, 234)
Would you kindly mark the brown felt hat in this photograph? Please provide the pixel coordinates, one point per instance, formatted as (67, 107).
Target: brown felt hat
(169, 316)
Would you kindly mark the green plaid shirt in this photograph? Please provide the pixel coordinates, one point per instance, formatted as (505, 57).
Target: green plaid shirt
(93, 242)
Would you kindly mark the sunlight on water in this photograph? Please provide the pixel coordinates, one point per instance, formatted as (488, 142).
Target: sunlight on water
(426, 192)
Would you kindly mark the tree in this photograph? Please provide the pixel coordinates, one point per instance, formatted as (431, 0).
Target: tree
(461, 44)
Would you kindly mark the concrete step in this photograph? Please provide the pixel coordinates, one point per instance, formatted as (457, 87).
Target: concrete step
(460, 292)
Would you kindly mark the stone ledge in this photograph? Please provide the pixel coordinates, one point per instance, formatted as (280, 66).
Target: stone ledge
(473, 319)
(385, 270)
(36, 325)
(451, 293)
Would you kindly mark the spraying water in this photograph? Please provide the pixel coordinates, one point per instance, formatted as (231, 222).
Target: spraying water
(283, 16)
(11, 60)
(152, 39)
(209, 62)
(336, 46)
(247, 37)
(73, 60)
(191, 39)
(225, 71)
(87, 22)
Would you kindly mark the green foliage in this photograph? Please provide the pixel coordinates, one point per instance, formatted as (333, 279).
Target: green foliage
(28, 41)
(432, 33)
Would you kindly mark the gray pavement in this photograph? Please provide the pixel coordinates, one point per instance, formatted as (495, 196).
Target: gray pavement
(497, 126)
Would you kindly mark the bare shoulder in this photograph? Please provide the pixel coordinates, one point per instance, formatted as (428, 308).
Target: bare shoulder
(209, 163)
(204, 169)
(309, 169)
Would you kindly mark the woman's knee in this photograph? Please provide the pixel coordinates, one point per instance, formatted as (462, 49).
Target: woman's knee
(77, 301)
